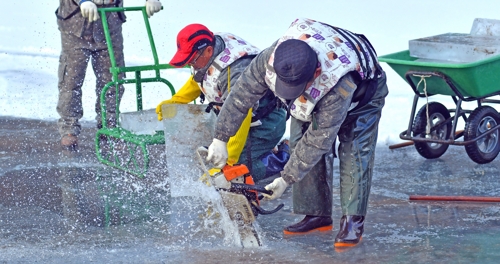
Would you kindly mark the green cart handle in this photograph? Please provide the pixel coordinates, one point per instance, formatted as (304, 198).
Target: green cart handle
(137, 69)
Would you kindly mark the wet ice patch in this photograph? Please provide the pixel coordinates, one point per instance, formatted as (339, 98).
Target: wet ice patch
(398, 235)
(489, 214)
(389, 193)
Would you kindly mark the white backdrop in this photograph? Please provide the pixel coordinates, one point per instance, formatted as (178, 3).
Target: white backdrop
(30, 43)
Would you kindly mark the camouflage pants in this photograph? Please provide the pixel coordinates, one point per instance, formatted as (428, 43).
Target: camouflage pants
(358, 138)
(75, 55)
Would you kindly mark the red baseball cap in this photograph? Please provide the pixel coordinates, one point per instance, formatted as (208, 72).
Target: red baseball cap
(190, 39)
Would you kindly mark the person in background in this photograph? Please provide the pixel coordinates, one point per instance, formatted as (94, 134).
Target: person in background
(217, 61)
(333, 85)
(82, 38)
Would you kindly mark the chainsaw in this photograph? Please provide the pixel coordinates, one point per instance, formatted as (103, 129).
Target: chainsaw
(240, 197)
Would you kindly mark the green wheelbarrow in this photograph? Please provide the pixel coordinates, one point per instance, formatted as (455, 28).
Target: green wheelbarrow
(119, 147)
(434, 127)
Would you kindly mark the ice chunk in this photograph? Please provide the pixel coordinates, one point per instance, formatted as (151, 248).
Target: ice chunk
(143, 122)
(485, 27)
(455, 47)
(187, 127)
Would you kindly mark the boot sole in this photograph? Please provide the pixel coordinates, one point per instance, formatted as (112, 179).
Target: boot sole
(346, 245)
(319, 229)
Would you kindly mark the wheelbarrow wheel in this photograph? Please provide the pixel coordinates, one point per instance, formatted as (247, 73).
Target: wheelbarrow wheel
(481, 120)
(437, 114)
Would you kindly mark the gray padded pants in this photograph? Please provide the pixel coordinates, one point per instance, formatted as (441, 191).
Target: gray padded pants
(75, 55)
(358, 138)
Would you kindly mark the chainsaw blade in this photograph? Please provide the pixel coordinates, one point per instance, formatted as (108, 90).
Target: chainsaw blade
(241, 213)
(249, 237)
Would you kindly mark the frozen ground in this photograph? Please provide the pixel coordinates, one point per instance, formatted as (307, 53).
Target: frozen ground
(63, 207)
(59, 207)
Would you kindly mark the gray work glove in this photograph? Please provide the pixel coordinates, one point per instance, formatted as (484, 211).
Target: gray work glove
(217, 153)
(278, 186)
(89, 10)
(152, 6)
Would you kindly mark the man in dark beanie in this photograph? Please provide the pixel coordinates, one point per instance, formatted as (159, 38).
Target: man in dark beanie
(333, 85)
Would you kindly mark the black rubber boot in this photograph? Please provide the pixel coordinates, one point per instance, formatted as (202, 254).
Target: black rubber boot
(310, 224)
(351, 230)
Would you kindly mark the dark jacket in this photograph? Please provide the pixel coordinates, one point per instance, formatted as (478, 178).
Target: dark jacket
(330, 112)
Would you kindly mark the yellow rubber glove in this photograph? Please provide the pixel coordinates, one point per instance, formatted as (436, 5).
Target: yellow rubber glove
(235, 145)
(237, 142)
(204, 177)
(188, 93)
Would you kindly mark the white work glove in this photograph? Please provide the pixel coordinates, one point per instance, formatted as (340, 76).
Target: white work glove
(217, 153)
(278, 186)
(89, 10)
(152, 6)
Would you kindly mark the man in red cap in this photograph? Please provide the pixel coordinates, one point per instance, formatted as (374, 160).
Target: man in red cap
(217, 60)
(333, 85)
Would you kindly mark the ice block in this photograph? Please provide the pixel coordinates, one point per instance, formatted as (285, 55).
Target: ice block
(143, 122)
(187, 127)
(455, 47)
(485, 27)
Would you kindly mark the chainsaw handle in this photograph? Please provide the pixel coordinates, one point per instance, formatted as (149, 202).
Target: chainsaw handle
(249, 187)
(263, 211)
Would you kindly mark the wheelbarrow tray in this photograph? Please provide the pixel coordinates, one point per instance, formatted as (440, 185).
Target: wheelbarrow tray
(473, 79)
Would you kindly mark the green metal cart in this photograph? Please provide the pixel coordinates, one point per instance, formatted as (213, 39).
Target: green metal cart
(117, 146)
(433, 128)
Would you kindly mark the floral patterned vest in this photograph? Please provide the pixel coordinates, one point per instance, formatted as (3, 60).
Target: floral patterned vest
(236, 48)
(337, 57)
